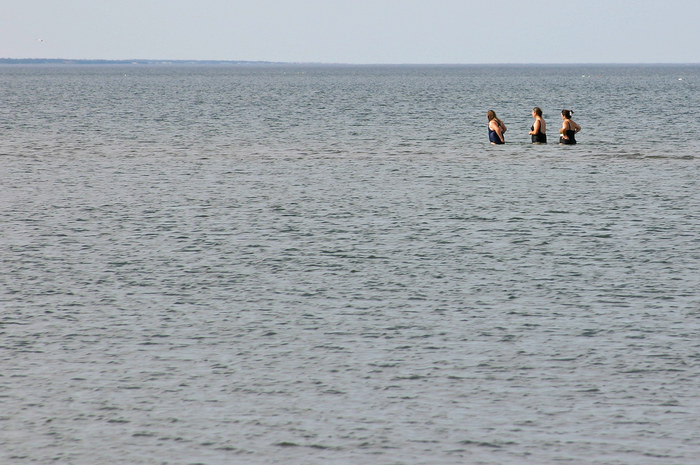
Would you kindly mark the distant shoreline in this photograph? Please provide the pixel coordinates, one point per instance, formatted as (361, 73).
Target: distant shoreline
(83, 61)
(65, 61)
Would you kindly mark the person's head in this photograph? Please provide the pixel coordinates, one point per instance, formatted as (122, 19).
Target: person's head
(566, 114)
(491, 115)
(537, 111)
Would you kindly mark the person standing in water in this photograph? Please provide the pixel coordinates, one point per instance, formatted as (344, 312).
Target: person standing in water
(538, 131)
(568, 128)
(496, 128)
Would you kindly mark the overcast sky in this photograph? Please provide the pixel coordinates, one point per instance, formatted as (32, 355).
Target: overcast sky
(355, 31)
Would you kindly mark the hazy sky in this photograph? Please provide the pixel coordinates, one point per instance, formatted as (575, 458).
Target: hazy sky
(355, 31)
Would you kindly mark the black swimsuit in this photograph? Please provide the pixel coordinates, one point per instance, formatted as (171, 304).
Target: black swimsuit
(571, 134)
(539, 138)
(493, 137)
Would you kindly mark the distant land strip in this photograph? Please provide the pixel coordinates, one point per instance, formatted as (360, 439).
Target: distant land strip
(64, 61)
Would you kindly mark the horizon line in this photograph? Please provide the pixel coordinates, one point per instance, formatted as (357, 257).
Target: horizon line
(163, 61)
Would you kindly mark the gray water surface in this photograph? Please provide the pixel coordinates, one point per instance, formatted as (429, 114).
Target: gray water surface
(204, 289)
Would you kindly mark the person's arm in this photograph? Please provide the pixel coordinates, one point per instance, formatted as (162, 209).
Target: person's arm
(562, 131)
(535, 127)
(577, 128)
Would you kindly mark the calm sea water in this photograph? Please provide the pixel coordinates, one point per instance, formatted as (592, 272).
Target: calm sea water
(331, 265)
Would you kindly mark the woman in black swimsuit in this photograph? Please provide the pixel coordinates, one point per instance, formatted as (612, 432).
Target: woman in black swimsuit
(496, 128)
(538, 131)
(568, 128)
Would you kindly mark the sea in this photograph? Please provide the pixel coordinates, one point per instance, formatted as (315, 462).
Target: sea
(264, 264)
